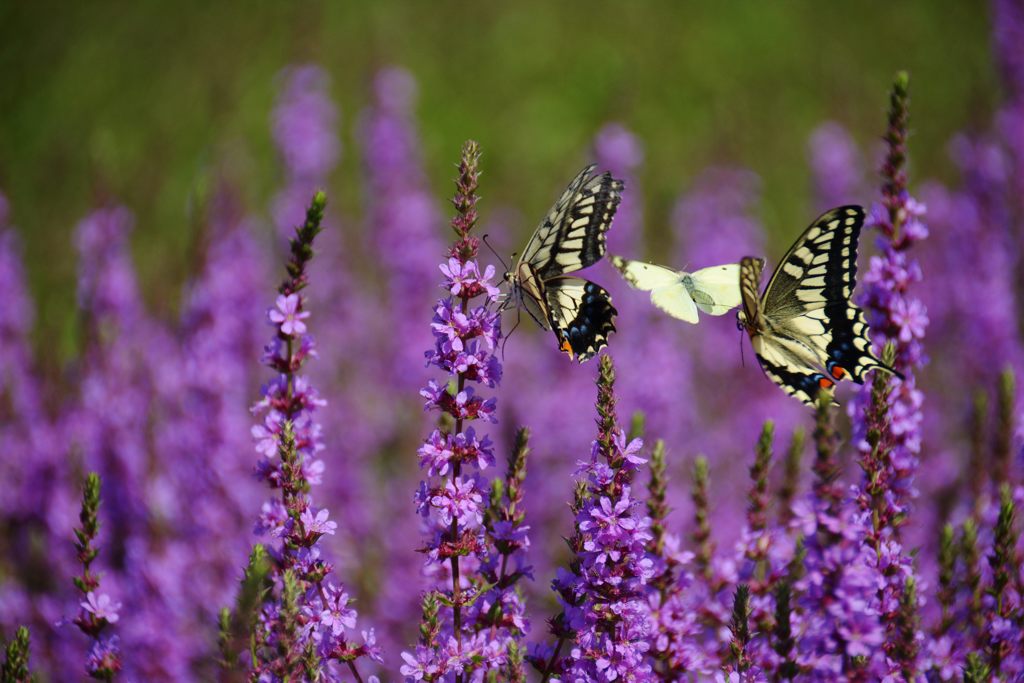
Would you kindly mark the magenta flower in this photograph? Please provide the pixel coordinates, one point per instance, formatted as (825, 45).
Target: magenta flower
(288, 315)
(101, 606)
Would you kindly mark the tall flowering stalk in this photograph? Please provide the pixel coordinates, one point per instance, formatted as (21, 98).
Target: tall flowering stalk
(303, 125)
(675, 595)
(888, 416)
(404, 220)
(303, 626)
(604, 597)
(472, 619)
(1005, 637)
(836, 592)
(98, 610)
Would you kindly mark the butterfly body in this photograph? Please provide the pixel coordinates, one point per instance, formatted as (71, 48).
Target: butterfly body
(712, 290)
(570, 238)
(805, 330)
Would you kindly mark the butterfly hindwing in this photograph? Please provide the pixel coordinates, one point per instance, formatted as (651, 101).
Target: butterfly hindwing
(791, 364)
(581, 315)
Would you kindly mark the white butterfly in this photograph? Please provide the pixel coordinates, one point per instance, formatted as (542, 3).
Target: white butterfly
(714, 290)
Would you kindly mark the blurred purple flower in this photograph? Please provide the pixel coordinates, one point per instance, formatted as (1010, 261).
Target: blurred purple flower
(304, 123)
(837, 169)
(403, 221)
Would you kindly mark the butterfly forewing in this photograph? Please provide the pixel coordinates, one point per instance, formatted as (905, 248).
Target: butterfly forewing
(750, 291)
(572, 235)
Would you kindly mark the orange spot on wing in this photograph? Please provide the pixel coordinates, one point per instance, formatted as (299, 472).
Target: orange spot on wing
(825, 383)
(566, 347)
(838, 372)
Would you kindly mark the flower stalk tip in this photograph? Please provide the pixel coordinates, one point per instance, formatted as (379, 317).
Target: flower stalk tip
(791, 476)
(476, 538)
(657, 492)
(702, 518)
(97, 611)
(15, 667)
(739, 627)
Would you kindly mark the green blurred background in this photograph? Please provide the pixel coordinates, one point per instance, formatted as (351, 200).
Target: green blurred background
(153, 103)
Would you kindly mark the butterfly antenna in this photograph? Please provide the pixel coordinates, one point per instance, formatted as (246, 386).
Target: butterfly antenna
(743, 358)
(496, 254)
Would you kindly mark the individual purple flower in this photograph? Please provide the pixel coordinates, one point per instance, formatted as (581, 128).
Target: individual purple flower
(317, 523)
(288, 316)
(461, 502)
(336, 614)
(101, 607)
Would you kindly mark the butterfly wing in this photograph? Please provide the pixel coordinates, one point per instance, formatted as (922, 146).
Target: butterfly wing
(665, 285)
(809, 296)
(572, 235)
(581, 315)
(714, 290)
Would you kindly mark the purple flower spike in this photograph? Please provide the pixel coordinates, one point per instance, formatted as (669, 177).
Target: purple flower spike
(887, 415)
(97, 612)
(304, 620)
(474, 549)
(606, 619)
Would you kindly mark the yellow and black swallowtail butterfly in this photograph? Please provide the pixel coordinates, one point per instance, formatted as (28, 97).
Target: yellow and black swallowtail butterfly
(805, 329)
(570, 238)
